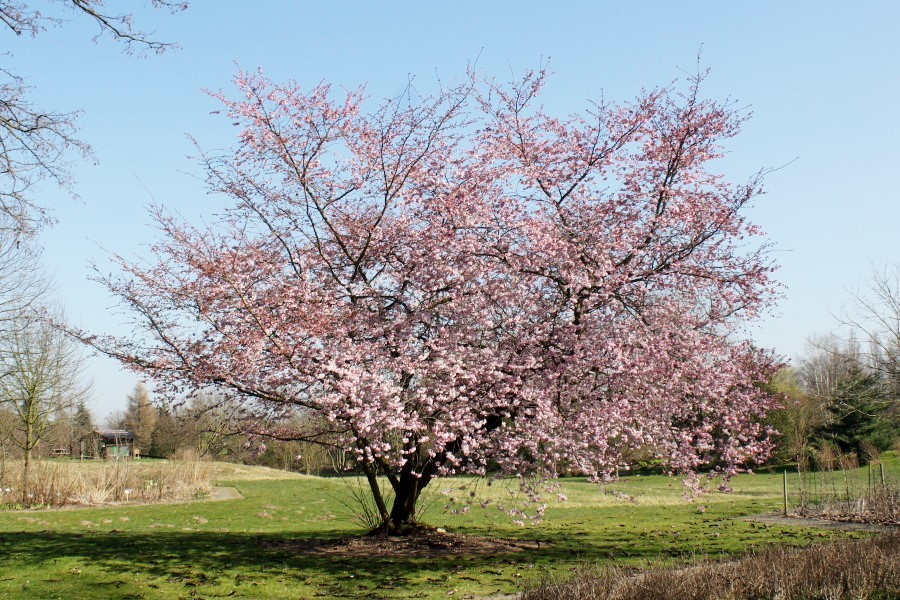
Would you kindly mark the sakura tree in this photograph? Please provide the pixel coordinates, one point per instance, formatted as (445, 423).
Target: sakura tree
(448, 282)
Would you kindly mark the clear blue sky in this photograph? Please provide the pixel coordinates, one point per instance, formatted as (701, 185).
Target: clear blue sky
(822, 80)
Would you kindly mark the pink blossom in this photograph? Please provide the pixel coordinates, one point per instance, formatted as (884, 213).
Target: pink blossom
(464, 280)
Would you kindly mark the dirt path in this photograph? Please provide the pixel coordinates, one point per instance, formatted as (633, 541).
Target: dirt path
(780, 519)
(224, 493)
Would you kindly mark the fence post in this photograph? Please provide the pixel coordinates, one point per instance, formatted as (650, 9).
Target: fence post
(881, 465)
(870, 477)
(784, 473)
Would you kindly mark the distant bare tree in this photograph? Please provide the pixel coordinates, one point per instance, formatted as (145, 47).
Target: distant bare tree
(825, 364)
(116, 419)
(7, 424)
(35, 143)
(874, 312)
(40, 378)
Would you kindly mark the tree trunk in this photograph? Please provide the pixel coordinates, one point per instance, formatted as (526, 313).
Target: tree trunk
(402, 518)
(403, 512)
(25, 482)
(408, 485)
(29, 444)
(372, 477)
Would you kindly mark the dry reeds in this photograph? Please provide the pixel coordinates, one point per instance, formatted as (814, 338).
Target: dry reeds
(869, 451)
(55, 484)
(881, 505)
(864, 569)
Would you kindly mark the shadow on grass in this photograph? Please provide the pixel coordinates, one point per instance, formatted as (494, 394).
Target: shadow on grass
(207, 561)
(235, 564)
(231, 564)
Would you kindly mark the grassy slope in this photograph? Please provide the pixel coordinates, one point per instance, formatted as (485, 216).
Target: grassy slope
(237, 548)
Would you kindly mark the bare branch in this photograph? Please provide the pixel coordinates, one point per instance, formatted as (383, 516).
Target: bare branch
(36, 144)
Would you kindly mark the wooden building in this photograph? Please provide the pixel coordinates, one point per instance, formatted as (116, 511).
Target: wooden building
(114, 444)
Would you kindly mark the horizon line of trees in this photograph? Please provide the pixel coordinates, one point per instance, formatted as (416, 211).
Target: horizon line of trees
(837, 402)
(842, 397)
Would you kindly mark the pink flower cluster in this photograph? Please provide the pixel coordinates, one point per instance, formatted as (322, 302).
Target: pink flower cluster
(464, 282)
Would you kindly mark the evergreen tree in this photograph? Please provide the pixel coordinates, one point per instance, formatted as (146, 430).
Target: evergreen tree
(859, 412)
(165, 437)
(140, 418)
(82, 428)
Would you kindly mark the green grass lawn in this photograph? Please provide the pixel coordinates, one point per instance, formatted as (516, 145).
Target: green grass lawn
(260, 546)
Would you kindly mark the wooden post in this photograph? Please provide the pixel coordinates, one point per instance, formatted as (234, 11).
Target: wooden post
(785, 492)
(870, 478)
(881, 465)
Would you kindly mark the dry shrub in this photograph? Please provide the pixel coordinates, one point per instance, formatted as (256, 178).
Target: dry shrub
(53, 484)
(49, 484)
(848, 461)
(881, 504)
(870, 452)
(186, 454)
(825, 457)
(864, 569)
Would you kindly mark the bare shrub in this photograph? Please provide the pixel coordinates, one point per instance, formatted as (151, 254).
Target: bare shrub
(359, 506)
(187, 454)
(881, 504)
(48, 485)
(870, 452)
(825, 458)
(865, 569)
(53, 484)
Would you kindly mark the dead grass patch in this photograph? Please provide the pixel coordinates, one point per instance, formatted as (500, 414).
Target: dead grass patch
(53, 484)
(237, 472)
(859, 569)
(880, 505)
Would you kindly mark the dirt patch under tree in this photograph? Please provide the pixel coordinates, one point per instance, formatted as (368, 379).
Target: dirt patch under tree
(424, 543)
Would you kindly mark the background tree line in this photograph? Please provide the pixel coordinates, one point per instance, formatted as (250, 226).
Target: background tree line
(204, 427)
(843, 394)
(209, 427)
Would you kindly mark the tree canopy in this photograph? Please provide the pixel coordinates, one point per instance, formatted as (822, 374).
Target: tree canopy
(463, 281)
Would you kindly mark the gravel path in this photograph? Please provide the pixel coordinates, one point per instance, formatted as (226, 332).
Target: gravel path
(780, 519)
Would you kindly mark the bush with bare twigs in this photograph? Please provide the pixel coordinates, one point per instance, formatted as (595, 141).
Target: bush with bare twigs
(864, 569)
(881, 505)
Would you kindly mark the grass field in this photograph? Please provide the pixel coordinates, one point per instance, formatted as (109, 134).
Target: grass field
(269, 543)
